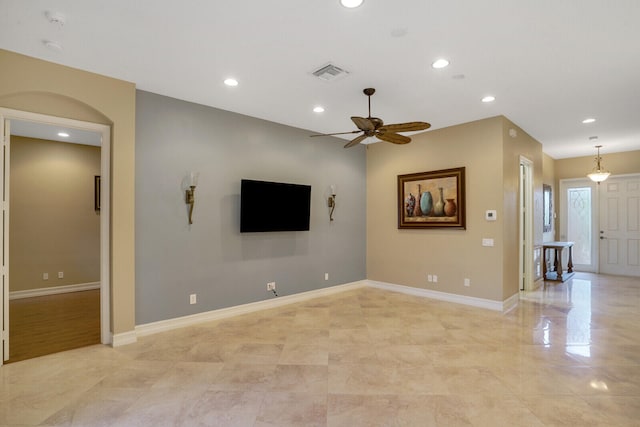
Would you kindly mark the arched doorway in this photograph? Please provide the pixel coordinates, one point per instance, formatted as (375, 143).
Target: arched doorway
(104, 131)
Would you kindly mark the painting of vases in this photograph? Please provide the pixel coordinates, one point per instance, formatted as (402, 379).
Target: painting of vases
(432, 199)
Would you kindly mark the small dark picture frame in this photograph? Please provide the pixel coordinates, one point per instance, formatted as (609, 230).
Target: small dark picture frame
(433, 199)
(96, 193)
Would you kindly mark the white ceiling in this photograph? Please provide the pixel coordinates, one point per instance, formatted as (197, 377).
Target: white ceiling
(52, 133)
(550, 64)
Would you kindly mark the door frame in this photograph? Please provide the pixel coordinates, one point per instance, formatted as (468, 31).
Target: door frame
(564, 184)
(525, 224)
(6, 115)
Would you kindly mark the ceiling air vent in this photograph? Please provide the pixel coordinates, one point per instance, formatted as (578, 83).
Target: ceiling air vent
(330, 72)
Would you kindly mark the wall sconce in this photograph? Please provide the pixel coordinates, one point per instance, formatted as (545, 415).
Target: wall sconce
(192, 183)
(598, 175)
(331, 201)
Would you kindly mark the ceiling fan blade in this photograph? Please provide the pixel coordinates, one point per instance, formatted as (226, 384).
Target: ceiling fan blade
(363, 124)
(355, 141)
(394, 138)
(405, 127)
(337, 133)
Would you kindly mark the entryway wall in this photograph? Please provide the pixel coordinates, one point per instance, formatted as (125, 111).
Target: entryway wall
(29, 84)
(578, 167)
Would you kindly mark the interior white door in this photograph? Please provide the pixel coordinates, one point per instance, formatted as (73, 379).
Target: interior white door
(619, 233)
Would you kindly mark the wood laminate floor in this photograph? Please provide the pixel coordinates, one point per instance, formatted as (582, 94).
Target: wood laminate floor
(53, 323)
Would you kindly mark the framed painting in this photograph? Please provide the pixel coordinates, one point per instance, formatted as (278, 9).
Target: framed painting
(433, 199)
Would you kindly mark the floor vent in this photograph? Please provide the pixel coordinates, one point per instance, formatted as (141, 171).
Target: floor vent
(330, 72)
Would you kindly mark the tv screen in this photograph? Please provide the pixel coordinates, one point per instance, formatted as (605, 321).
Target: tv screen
(274, 206)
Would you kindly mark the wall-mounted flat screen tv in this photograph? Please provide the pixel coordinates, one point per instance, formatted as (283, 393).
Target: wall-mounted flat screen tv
(274, 206)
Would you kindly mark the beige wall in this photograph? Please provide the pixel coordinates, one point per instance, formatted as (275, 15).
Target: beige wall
(406, 257)
(53, 224)
(33, 85)
(616, 163)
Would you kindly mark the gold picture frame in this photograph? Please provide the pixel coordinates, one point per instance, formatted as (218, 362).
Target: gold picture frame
(433, 199)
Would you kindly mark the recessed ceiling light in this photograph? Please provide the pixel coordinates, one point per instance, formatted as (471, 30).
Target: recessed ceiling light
(318, 109)
(589, 120)
(440, 63)
(63, 134)
(231, 82)
(351, 3)
(489, 98)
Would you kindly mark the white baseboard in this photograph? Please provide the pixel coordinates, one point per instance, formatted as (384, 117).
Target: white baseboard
(223, 313)
(511, 302)
(501, 306)
(54, 290)
(124, 338)
(193, 319)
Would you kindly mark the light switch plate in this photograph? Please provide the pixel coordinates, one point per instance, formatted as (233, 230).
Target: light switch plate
(491, 215)
(487, 242)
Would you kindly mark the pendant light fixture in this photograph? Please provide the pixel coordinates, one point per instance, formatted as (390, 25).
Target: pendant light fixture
(598, 175)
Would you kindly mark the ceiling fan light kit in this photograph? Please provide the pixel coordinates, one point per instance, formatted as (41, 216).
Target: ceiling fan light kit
(375, 127)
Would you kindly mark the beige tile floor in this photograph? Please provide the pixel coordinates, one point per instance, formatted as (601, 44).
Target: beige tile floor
(569, 355)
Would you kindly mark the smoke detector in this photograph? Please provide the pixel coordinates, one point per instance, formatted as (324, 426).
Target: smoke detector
(330, 72)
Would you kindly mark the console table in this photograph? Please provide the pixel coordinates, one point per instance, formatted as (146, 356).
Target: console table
(556, 274)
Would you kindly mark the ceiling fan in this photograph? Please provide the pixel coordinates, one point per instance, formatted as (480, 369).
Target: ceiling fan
(373, 126)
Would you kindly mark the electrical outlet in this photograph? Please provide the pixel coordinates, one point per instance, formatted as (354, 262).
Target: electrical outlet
(60, 274)
(271, 286)
(435, 278)
(326, 276)
(467, 282)
(429, 277)
(193, 298)
(45, 276)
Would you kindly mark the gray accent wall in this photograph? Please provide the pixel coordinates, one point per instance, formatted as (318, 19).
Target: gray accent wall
(211, 258)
